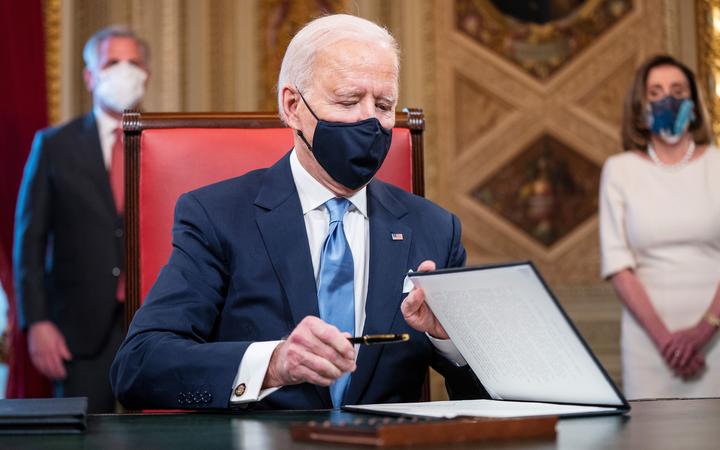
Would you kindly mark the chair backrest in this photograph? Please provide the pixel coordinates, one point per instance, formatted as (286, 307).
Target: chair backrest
(167, 154)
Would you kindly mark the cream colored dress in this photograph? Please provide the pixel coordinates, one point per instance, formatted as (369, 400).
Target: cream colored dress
(663, 222)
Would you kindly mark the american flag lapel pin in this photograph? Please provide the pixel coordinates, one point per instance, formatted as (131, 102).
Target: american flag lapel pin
(396, 236)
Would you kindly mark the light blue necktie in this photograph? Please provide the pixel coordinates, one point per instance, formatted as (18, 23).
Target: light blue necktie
(335, 284)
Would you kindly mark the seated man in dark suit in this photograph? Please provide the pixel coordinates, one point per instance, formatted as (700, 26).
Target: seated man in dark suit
(272, 271)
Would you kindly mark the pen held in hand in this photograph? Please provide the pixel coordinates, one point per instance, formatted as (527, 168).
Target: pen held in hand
(371, 339)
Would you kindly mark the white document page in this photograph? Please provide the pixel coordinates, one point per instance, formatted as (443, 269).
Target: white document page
(480, 408)
(514, 336)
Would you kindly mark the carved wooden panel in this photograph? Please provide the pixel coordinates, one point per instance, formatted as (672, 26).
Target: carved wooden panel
(519, 143)
(494, 115)
(486, 108)
(489, 96)
(539, 37)
(279, 21)
(547, 190)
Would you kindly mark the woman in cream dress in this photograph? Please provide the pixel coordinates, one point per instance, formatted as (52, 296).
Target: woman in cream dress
(660, 236)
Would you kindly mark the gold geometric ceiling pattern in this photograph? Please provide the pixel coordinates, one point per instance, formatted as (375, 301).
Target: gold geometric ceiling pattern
(521, 151)
(538, 36)
(603, 100)
(482, 105)
(547, 190)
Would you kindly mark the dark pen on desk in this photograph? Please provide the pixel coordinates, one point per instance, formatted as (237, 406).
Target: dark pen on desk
(371, 339)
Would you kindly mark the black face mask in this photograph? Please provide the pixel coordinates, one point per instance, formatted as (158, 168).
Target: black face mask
(351, 153)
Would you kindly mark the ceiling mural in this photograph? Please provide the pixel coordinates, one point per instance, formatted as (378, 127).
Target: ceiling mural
(547, 190)
(539, 36)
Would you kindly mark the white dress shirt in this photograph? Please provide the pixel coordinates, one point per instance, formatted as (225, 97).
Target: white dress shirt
(106, 125)
(313, 196)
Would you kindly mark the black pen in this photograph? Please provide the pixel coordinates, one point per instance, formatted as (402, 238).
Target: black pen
(371, 339)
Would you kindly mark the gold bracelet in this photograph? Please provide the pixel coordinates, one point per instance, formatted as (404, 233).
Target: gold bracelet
(712, 319)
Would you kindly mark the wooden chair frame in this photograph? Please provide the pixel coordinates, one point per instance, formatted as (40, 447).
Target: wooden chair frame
(134, 123)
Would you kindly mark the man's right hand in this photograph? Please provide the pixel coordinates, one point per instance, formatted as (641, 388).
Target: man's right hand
(315, 352)
(48, 350)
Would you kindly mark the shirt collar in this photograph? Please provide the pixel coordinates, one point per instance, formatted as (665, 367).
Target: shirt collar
(106, 124)
(313, 194)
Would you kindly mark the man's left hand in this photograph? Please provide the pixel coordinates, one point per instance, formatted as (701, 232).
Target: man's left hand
(418, 314)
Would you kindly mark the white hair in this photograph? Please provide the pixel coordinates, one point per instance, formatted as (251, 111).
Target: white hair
(297, 64)
(92, 46)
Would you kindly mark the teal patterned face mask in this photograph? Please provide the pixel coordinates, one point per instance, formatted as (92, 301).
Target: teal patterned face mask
(670, 117)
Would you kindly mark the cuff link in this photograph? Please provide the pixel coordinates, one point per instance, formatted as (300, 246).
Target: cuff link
(240, 390)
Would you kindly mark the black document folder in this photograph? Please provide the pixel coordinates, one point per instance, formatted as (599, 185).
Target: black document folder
(43, 415)
(519, 342)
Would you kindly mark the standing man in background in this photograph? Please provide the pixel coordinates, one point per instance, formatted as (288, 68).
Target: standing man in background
(69, 228)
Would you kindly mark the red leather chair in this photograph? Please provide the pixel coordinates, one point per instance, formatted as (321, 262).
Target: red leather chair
(168, 154)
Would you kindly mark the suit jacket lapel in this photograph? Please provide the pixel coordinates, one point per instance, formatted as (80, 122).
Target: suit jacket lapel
(388, 267)
(282, 227)
(96, 164)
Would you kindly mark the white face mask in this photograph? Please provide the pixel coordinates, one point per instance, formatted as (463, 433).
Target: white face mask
(120, 86)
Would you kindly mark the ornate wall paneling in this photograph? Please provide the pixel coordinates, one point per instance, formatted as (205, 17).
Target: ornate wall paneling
(203, 53)
(279, 21)
(708, 33)
(219, 55)
(519, 117)
(528, 108)
(51, 23)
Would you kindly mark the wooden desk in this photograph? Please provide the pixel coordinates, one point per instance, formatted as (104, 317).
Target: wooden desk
(652, 425)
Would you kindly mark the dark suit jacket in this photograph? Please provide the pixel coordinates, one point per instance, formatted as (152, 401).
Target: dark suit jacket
(68, 237)
(241, 272)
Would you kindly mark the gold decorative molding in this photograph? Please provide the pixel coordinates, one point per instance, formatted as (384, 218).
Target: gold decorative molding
(279, 21)
(171, 46)
(547, 191)
(486, 108)
(538, 41)
(708, 34)
(602, 100)
(672, 27)
(427, 23)
(51, 19)
(579, 104)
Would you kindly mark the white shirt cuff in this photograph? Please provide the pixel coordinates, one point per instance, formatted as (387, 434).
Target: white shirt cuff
(251, 373)
(447, 349)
